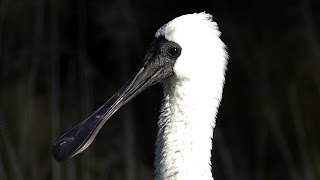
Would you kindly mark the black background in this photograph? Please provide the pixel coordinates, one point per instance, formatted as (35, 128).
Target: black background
(60, 60)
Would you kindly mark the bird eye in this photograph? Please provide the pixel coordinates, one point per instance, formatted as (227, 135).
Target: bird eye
(174, 52)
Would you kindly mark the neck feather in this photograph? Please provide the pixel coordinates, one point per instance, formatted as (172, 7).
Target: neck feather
(184, 140)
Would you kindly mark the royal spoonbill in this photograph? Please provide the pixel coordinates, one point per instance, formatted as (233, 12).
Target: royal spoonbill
(188, 57)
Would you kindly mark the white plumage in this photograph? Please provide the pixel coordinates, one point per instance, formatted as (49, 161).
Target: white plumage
(191, 98)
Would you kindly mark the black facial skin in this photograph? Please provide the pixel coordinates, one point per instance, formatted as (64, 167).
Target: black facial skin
(158, 65)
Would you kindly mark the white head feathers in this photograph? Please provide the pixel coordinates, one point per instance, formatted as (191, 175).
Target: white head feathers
(203, 52)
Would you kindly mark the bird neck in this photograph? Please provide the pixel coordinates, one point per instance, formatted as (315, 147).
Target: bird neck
(184, 139)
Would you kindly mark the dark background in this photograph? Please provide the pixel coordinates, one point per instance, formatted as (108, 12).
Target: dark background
(61, 59)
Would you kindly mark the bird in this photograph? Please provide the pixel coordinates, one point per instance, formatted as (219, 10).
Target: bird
(190, 60)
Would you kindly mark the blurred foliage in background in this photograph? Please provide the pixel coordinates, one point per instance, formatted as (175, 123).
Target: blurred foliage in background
(60, 60)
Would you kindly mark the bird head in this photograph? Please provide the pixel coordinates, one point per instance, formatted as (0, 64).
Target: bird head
(185, 49)
(203, 53)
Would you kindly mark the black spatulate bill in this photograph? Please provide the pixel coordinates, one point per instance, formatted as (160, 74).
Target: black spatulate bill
(158, 64)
